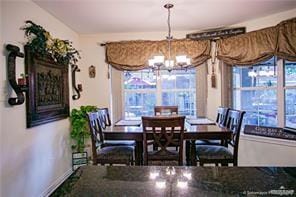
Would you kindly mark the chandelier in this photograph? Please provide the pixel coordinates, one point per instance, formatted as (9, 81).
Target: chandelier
(159, 62)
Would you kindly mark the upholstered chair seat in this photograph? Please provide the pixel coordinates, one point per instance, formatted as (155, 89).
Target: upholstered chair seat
(207, 152)
(208, 142)
(115, 154)
(165, 155)
(118, 143)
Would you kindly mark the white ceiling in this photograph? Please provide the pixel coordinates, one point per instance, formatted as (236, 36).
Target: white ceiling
(98, 16)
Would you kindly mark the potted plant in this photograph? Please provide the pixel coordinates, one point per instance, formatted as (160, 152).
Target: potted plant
(80, 131)
(79, 126)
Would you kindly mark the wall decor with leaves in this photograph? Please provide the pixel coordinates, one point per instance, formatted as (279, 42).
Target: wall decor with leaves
(46, 64)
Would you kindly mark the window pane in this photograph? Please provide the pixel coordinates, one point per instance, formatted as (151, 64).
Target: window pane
(290, 73)
(168, 98)
(168, 81)
(260, 106)
(290, 112)
(139, 104)
(259, 75)
(139, 80)
(186, 102)
(178, 79)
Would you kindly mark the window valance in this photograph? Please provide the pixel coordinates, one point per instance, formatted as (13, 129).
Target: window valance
(258, 46)
(134, 55)
(286, 47)
(249, 48)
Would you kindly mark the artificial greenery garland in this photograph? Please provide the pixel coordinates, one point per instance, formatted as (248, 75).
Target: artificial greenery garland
(41, 42)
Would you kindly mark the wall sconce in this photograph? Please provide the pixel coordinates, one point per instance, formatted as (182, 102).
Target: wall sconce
(14, 51)
(77, 88)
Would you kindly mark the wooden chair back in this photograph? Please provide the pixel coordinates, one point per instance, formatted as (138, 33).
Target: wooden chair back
(234, 122)
(222, 116)
(165, 110)
(96, 133)
(104, 117)
(166, 131)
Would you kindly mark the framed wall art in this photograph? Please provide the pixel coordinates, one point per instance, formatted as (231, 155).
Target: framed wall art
(47, 99)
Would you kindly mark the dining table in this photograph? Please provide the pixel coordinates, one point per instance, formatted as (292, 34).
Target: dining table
(192, 132)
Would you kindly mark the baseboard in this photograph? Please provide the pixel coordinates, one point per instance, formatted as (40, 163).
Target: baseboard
(56, 183)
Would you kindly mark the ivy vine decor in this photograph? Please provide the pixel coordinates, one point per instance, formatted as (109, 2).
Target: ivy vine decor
(79, 126)
(41, 42)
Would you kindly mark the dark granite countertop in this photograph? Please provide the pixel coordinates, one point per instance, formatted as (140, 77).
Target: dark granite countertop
(204, 181)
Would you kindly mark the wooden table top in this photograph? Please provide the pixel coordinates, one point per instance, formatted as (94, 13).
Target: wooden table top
(191, 132)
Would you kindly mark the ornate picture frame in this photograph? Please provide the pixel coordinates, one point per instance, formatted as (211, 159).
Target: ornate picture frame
(47, 99)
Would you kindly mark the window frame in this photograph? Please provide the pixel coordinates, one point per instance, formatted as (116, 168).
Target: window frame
(159, 90)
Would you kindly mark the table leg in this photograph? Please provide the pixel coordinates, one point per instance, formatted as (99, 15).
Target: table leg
(192, 153)
(187, 152)
(139, 153)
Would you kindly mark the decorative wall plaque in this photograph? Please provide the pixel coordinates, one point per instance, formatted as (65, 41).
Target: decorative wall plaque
(92, 71)
(214, 34)
(48, 97)
(274, 132)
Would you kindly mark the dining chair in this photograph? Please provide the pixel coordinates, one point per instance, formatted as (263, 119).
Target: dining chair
(103, 121)
(106, 154)
(222, 154)
(165, 110)
(165, 130)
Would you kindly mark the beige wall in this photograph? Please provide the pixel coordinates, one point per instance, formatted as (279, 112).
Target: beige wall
(32, 160)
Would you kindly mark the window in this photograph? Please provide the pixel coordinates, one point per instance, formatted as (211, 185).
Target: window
(262, 89)
(143, 90)
(290, 94)
(255, 91)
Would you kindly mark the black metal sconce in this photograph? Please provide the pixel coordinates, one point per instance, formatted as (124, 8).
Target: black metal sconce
(14, 51)
(77, 88)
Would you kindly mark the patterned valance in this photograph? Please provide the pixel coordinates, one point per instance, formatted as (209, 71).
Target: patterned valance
(286, 47)
(134, 55)
(258, 46)
(249, 48)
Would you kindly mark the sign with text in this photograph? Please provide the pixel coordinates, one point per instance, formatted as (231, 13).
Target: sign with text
(275, 132)
(216, 33)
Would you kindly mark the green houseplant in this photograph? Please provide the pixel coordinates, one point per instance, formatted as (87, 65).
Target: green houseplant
(79, 126)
